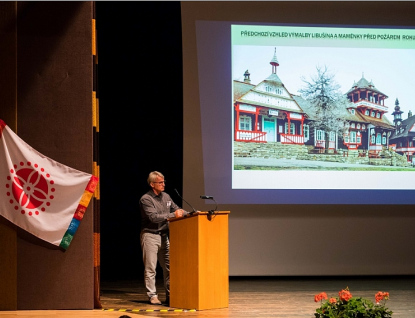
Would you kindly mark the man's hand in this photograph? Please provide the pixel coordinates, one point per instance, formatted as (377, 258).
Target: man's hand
(178, 213)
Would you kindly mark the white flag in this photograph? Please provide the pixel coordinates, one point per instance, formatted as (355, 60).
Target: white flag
(40, 195)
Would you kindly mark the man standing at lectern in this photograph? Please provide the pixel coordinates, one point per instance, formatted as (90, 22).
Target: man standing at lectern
(156, 208)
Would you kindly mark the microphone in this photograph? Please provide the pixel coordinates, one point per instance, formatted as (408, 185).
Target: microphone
(209, 197)
(193, 209)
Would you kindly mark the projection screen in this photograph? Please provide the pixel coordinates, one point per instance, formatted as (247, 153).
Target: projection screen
(285, 220)
(267, 165)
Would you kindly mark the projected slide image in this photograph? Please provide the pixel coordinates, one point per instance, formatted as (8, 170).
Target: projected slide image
(321, 99)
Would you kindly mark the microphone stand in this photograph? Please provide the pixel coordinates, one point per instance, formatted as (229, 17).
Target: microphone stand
(209, 197)
(193, 209)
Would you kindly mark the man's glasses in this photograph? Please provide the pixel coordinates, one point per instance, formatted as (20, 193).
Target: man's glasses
(160, 182)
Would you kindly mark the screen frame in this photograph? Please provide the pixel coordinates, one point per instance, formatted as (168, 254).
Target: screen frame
(215, 83)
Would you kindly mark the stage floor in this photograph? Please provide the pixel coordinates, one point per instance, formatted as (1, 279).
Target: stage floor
(248, 297)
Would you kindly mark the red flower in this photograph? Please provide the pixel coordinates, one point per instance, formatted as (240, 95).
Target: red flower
(320, 297)
(332, 300)
(380, 296)
(345, 295)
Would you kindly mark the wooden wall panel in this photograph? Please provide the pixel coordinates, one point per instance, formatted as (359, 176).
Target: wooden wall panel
(54, 84)
(8, 237)
(49, 104)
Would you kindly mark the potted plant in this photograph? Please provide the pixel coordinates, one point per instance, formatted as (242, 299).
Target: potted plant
(347, 306)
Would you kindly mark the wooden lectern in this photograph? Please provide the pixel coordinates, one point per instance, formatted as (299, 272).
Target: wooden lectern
(199, 261)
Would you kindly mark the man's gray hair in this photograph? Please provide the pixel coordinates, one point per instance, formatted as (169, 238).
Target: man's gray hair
(153, 176)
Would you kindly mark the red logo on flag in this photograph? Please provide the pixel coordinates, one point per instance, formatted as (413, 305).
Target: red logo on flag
(2, 125)
(29, 188)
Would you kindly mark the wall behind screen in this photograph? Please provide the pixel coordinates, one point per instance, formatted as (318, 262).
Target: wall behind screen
(295, 239)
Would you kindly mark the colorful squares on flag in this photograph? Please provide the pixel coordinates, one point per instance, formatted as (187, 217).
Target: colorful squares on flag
(79, 213)
(66, 240)
(86, 197)
(92, 184)
(73, 226)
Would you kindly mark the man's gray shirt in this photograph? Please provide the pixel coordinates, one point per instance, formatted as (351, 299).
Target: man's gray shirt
(155, 210)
